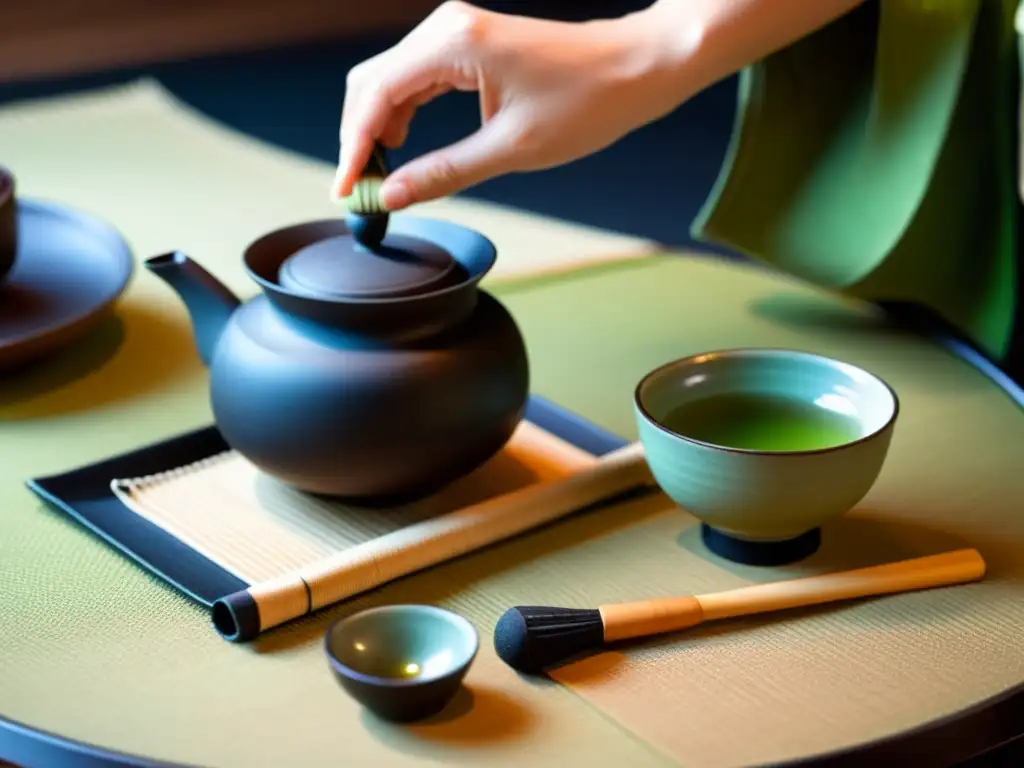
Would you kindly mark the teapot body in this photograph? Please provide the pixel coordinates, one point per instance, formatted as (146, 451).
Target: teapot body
(339, 413)
(368, 374)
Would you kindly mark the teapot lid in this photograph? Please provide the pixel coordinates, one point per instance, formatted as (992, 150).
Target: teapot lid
(340, 267)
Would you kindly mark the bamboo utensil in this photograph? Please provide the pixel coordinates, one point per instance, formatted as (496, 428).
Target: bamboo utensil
(243, 615)
(532, 638)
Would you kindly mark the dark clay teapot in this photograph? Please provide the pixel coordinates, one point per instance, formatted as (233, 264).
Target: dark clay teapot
(360, 372)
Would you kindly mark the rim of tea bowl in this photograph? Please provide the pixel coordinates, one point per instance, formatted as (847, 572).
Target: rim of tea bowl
(401, 628)
(761, 506)
(851, 372)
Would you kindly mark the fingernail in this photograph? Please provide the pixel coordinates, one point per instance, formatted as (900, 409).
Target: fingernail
(395, 194)
(336, 186)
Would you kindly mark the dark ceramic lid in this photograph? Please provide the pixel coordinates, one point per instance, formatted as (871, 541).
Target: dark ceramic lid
(339, 267)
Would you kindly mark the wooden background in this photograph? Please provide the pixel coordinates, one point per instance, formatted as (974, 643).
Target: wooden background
(41, 38)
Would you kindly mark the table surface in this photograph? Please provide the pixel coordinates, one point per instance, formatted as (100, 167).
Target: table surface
(76, 665)
(76, 601)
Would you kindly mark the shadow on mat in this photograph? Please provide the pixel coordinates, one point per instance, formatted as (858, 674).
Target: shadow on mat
(800, 311)
(858, 323)
(854, 541)
(477, 717)
(130, 352)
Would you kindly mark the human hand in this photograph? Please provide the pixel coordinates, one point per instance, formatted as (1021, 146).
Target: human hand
(550, 92)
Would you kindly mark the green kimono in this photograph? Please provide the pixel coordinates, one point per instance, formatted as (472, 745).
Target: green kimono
(879, 157)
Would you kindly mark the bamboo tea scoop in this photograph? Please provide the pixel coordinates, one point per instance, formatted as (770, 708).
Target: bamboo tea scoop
(532, 638)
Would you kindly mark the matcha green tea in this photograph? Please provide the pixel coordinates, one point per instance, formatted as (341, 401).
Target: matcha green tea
(761, 422)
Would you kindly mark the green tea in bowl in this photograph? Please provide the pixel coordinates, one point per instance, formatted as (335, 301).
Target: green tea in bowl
(764, 445)
(761, 422)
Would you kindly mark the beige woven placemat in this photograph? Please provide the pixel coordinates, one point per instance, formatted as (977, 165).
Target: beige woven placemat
(258, 528)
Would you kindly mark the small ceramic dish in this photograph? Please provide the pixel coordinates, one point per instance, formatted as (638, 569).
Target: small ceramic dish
(764, 445)
(67, 272)
(402, 662)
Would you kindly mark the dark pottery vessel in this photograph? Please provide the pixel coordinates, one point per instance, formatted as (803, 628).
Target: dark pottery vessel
(8, 223)
(402, 662)
(359, 373)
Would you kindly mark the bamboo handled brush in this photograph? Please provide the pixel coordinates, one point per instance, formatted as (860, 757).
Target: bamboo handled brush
(365, 217)
(533, 638)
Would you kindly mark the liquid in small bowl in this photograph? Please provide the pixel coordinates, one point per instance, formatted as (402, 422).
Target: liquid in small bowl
(402, 662)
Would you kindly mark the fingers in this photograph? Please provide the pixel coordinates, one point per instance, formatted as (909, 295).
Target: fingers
(480, 156)
(353, 157)
(371, 104)
(431, 59)
(349, 154)
(397, 129)
(387, 107)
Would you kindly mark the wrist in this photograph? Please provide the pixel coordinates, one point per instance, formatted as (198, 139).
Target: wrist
(664, 51)
(688, 45)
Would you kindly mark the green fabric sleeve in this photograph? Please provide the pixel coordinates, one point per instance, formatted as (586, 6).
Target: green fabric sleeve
(878, 157)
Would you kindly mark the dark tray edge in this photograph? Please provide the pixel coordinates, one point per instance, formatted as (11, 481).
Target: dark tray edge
(84, 495)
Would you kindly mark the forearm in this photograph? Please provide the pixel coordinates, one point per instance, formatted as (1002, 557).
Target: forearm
(692, 44)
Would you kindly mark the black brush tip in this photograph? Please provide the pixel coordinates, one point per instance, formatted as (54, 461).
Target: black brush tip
(531, 638)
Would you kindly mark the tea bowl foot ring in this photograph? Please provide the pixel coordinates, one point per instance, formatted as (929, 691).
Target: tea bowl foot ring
(763, 553)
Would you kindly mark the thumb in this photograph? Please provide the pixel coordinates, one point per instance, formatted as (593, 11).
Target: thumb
(488, 152)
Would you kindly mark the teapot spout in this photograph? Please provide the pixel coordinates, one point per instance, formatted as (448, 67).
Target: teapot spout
(208, 301)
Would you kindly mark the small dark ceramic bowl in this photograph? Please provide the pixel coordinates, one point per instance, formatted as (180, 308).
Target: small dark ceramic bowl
(402, 662)
(8, 223)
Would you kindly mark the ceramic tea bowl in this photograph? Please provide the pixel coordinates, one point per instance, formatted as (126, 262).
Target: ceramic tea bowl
(764, 446)
(402, 662)
(8, 223)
